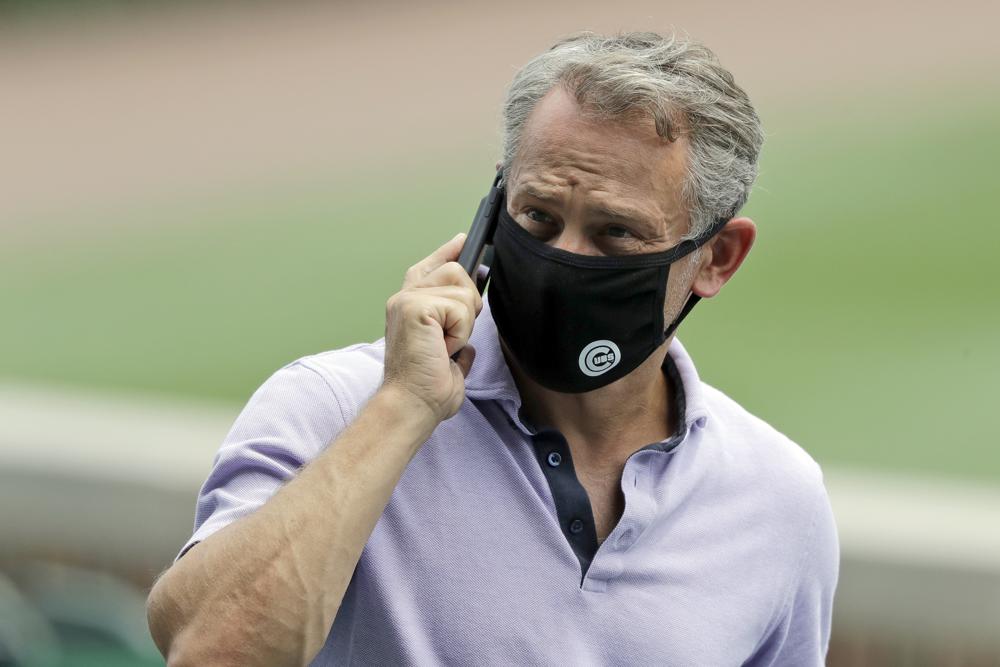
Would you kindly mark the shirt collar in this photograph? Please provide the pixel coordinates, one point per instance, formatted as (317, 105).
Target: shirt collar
(490, 377)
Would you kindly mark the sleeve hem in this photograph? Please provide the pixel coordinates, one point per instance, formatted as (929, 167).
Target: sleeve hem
(205, 531)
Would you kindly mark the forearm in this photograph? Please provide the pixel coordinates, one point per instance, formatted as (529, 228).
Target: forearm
(265, 589)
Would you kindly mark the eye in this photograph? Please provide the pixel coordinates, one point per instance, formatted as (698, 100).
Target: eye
(538, 216)
(618, 232)
(539, 223)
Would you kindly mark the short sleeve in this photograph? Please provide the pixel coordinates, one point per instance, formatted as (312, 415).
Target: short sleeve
(287, 422)
(801, 635)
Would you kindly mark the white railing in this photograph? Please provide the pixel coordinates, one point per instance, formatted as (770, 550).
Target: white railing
(113, 479)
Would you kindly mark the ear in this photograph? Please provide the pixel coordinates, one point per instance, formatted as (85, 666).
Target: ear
(723, 255)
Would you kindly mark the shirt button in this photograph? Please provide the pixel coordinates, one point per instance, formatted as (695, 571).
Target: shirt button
(575, 526)
(555, 458)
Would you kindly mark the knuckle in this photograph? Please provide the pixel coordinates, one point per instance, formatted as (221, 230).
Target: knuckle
(401, 303)
(470, 304)
(465, 300)
(392, 303)
(408, 307)
(454, 271)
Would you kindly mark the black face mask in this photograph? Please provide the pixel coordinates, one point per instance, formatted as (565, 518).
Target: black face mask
(576, 323)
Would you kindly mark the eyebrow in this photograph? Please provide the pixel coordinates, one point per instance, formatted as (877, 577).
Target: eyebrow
(626, 215)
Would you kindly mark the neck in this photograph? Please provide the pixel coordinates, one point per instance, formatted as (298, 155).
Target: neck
(610, 422)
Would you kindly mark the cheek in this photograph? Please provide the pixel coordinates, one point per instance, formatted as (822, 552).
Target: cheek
(678, 287)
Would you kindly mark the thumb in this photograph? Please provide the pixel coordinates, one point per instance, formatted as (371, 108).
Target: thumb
(464, 359)
(448, 252)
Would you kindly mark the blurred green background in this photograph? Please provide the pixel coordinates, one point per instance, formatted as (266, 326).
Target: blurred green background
(864, 323)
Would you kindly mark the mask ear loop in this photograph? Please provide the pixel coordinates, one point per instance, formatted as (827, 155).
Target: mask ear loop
(688, 305)
(693, 299)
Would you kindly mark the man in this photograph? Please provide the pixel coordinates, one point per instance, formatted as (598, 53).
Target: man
(548, 483)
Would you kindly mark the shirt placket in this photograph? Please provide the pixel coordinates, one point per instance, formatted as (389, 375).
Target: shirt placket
(610, 559)
(573, 510)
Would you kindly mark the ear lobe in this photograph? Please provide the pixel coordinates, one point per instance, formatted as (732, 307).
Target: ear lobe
(723, 255)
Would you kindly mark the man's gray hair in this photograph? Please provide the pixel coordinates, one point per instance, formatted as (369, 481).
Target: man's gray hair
(678, 82)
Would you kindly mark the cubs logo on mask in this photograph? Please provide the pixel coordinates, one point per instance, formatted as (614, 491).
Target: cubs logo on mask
(576, 323)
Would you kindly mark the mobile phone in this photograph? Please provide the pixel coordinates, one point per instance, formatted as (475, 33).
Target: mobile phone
(479, 241)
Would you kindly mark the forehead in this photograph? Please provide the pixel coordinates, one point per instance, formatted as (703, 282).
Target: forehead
(621, 157)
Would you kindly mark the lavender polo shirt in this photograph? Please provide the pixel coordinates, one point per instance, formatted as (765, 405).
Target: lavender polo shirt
(726, 553)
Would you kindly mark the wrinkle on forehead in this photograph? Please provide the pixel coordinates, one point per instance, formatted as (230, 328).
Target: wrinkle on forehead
(619, 162)
(549, 187)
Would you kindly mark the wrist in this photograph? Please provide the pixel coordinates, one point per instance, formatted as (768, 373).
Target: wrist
(397, 406)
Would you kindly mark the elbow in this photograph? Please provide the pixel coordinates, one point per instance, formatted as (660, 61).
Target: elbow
(179, 656)
(162, 623)
(178, 638)
(175, 645)
(168, 624)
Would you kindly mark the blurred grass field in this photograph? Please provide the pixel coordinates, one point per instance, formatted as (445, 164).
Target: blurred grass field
(864, 324)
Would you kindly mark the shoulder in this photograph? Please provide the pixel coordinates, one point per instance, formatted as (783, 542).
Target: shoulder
(747, 458)
(738, 449)
(306, 402)
(781, 486)
(756, 447)
(351, 373)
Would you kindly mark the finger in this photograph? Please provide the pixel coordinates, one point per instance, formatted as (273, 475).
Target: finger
(449, 273)
(455, 321)
(451, 318)
(452, 273)
(470, 298)
(464, 360)
(448, 252)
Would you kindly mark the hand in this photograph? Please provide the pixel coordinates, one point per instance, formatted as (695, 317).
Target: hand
(428, 321)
